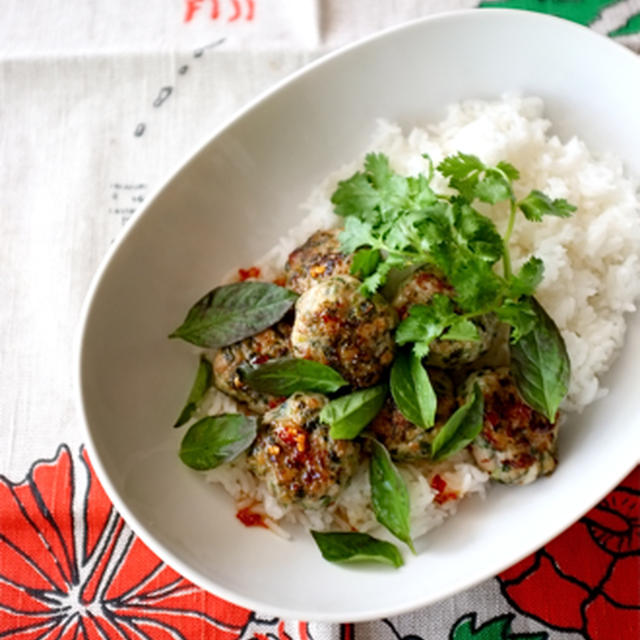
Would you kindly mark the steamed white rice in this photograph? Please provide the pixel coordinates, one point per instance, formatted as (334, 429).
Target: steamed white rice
(592, 278)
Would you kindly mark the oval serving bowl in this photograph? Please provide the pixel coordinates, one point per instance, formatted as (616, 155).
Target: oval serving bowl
(229, 204)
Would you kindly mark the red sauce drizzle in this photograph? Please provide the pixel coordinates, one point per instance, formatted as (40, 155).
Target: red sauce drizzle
(250, 519)
(439, 485)
(251, 272)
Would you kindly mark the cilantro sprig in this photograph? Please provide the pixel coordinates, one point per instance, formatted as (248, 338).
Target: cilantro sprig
(399, 222)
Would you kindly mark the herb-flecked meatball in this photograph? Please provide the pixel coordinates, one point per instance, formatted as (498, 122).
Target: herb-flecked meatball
(419, 288)
(404, 440)
(317, 259)
(294, 455)
(336, 325)
(271, 343)
(517, 444)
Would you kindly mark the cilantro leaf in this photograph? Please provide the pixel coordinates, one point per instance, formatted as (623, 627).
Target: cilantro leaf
(537, 204)
(493, 187)
(509, 170)
(425, 323)
(461, 329)
(379, 192)
(473, 179)
(354, 196)
(476, 285)
(528, 278)
(420, 191)
(463, 171)
(392, 189)
(477, 231)
(356, 234)
(365, 262)
(520, 315)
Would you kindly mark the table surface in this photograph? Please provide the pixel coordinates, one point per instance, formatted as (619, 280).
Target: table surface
(98, 103)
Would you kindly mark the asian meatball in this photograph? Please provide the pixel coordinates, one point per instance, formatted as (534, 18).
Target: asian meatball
(419, 288)
(258, 349)
(404, 440)
(517, 444)
(298, 461)
(337, 325)
(317, 259)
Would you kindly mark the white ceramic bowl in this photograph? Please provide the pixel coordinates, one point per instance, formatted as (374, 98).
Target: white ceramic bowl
(229, 203)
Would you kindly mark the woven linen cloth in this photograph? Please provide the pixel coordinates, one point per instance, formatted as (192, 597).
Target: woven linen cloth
(99, 102)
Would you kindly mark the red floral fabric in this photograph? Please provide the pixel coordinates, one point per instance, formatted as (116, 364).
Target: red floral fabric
(588, 579)
(71, 568)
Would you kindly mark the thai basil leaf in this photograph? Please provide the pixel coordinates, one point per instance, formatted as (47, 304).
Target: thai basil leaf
(198, 389)
(389, 494)
(350, 414)
(284, 376)
(347, 546)
(217, 439)
(234, 312)
(412, 391)
(461, 428)
(540, 364)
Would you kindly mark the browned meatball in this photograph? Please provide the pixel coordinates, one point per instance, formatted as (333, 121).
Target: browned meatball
(517, 444)
(294, 455)
(419, 288)
(317, 259)
(336, 325)
(270, 343)
(404, 440)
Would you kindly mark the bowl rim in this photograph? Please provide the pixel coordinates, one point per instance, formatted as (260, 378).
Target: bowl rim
(140, 530)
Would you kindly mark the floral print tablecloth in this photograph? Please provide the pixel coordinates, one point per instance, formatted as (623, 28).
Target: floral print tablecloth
(89, 95)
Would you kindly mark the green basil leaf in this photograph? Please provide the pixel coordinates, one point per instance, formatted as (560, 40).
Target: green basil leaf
(540, 364)
(350, 414)
(217, 439)
(461, 428)
(389, 494)
(198, 389)
(284, 376)
(347, 546)
(234, 312)
(365, 262)
(412, 391)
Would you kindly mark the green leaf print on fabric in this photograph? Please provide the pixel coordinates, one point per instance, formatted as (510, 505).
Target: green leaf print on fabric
(498, 628)
(631, 27)
(584, 12)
